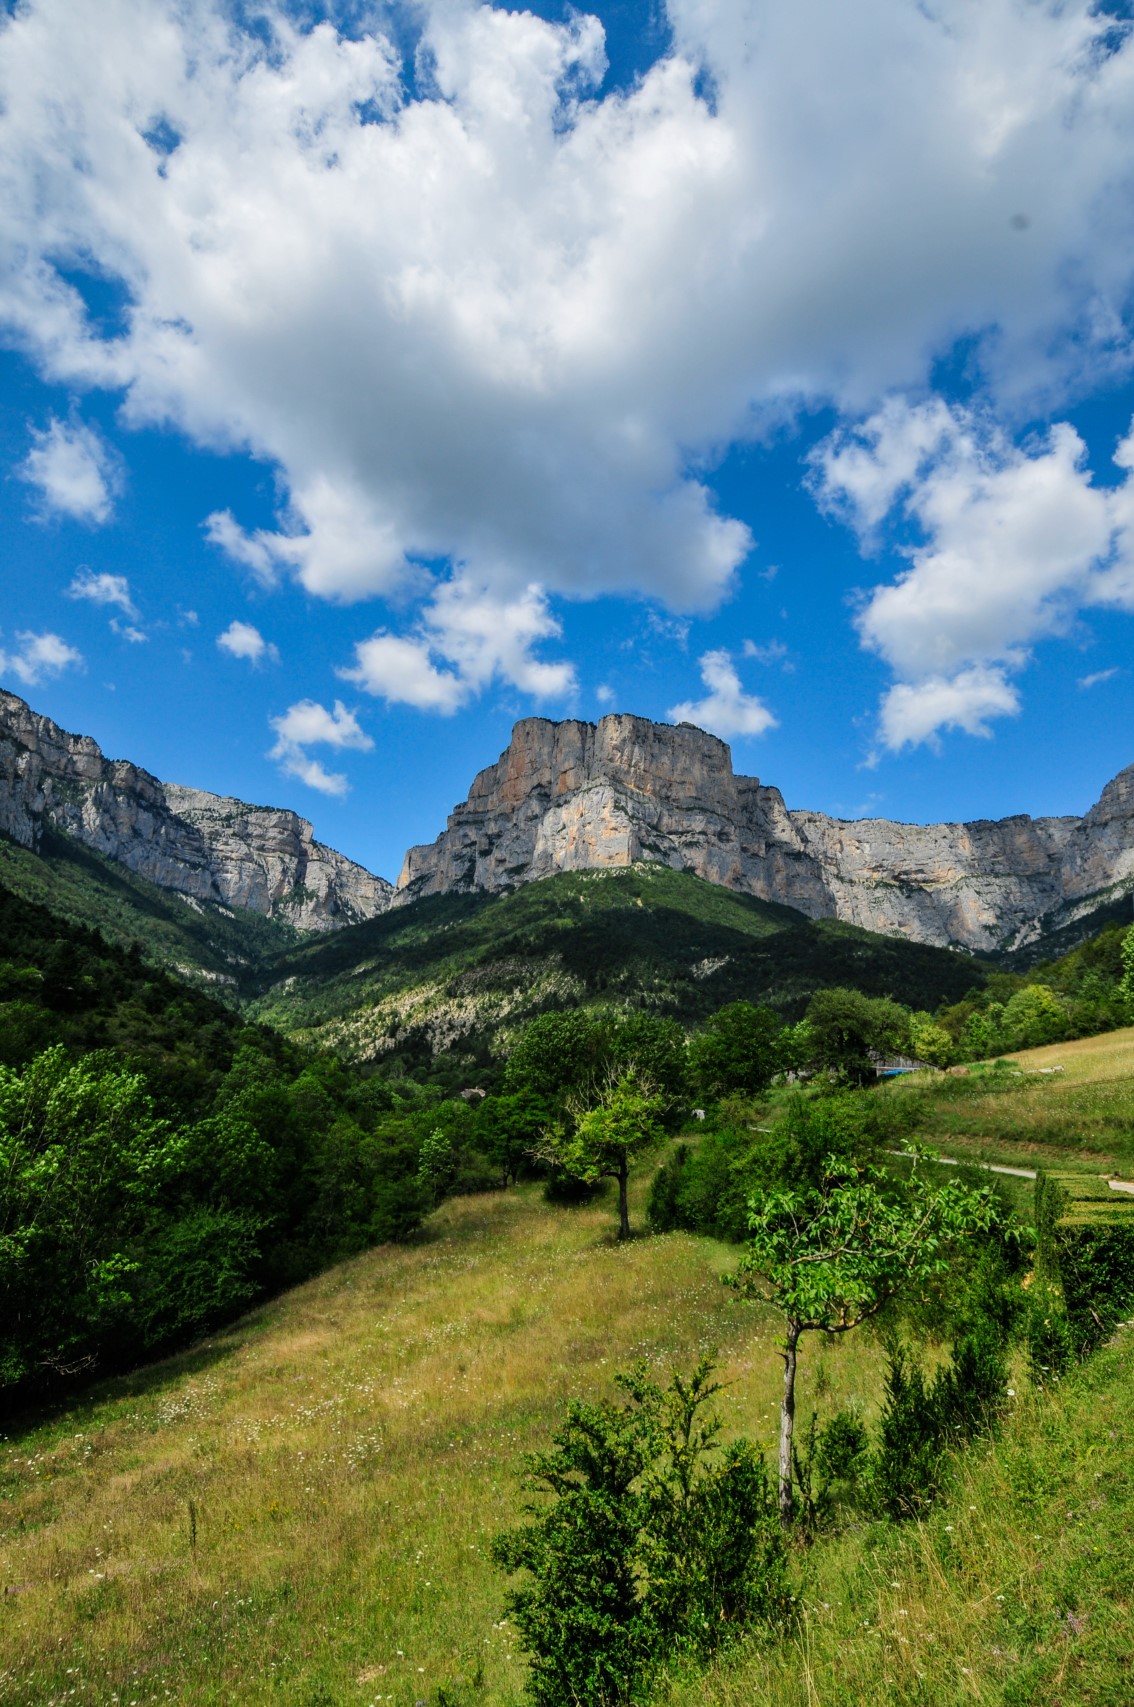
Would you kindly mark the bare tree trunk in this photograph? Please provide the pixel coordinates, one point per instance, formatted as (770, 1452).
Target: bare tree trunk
(623, 1202)
(787, 1425)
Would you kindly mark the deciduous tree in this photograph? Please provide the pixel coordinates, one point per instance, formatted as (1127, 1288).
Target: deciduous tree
(830, 1257)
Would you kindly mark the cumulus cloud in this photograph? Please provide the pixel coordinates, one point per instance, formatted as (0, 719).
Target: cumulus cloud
(244, 640)
(38, 656)
(467, 638)
(915, 712)
(487, 318)
(103, 589)
(726, 709)
(74, 471)
(309, 724)
(1013, 543)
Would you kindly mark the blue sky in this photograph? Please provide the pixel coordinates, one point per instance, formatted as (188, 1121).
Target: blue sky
(372, 377)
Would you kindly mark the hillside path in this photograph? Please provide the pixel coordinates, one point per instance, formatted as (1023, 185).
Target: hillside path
(1019, 1173)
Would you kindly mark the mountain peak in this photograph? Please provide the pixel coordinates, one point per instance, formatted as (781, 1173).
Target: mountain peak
(579, 796)
(207, 847)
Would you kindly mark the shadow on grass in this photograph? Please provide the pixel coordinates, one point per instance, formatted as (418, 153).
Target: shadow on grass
(80, 1404)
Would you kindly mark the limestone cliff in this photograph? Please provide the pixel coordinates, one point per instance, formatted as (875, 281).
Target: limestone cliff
(203, 846)
(575, 796)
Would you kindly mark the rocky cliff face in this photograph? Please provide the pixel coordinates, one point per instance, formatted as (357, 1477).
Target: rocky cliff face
(577, 796)
(203, 846)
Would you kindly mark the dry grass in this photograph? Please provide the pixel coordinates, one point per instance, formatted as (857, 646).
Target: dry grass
(344, 1455)
(1082, 1117)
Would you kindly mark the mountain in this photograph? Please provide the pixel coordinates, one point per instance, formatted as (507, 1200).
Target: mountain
(578, 796)
(208, 945)
(214, 851)
(454, 975)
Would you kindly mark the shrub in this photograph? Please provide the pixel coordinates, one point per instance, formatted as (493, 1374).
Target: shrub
(1085, 1253)
(921, 1419)
(657, 1542)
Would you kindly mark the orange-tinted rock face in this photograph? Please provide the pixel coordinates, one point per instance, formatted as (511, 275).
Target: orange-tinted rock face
(578, 796)
(198, 844)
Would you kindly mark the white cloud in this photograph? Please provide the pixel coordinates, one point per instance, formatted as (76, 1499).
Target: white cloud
(727, 709)
(401, 672)
(770, 652)
(1098, 677)
(127, 631)
(74, 470)
(914, 712)
(244, 640)
(499, 324)
(1014, 543)
(467, 638)
(39, 655)
(605, 694)
(252, 550)
(309, 724)
(103, 589)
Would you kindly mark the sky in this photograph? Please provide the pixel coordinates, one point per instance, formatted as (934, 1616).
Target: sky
(372, 376)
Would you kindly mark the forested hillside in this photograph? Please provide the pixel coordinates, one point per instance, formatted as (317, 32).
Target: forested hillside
(456, 975)
(163, 1162)
(211, 945)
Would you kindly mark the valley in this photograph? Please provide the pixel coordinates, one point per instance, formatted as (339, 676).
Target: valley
(300, 1506)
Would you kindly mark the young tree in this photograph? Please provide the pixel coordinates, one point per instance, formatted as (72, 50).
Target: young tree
(651, 1540)
(622, 1118)
(830, 1257)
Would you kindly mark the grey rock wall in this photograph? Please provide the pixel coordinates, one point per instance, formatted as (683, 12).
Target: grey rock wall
(576, 796)
(200, 845)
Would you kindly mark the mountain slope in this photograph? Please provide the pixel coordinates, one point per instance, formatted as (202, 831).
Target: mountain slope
(204, 942)
(451, 973)
(205, 846)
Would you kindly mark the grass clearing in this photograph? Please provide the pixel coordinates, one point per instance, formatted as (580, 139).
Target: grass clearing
(1080, 1118)
(300, 1509)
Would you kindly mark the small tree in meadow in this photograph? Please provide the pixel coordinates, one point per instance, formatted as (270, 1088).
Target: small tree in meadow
(622, 1118)
(830, 1257)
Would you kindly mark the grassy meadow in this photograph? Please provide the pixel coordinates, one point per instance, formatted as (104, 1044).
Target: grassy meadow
(1017, 1593)
(298, 1509)
(1081, 1117)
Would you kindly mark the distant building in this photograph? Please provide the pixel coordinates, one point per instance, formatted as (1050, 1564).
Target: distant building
(473, 1094)
(889, 1066)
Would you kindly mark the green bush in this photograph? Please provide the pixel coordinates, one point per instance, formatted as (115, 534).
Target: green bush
(1085, 1254)
(657, 1543)
(921, 1419)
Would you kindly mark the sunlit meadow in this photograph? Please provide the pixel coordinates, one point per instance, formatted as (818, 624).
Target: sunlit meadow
(300, 1509)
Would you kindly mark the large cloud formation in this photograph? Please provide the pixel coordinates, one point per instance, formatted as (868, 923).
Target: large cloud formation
(1013, 543)
(486, 323)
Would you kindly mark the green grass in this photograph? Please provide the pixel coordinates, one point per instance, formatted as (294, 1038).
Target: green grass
(299, 1509)
(1017, 1592)
(454, 971)
(348, 1451)
(1082, 1117)
(87, 889)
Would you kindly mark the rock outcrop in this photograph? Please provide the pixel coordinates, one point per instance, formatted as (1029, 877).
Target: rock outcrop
(578, 796)
(203, 846)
